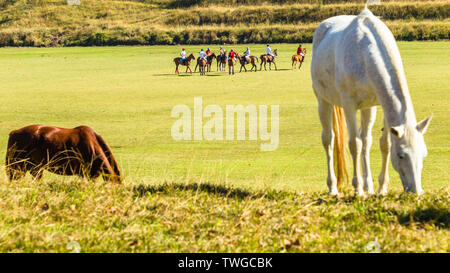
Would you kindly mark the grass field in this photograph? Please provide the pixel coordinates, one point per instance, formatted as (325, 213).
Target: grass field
(267, 201)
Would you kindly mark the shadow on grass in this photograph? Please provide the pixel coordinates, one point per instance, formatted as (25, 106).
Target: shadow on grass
(165, 74)
(440, 217)
(229, 192)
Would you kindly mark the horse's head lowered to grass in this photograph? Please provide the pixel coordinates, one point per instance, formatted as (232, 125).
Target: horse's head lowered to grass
(408, 151)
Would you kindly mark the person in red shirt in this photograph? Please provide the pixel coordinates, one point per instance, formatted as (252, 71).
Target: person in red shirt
(232, 55)
(300, 50)
(208, 51)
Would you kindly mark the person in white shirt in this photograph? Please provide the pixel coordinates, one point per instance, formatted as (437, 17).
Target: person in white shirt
(183, 55)
(202, 54)
(247, 54)
(222, 51)
(269, 51)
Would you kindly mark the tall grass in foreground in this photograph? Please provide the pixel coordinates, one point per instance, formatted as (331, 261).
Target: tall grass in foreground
(172, 217)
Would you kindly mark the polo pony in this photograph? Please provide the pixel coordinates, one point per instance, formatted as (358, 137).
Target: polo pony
(78, 151)
(298, 59)
(356, 65)
(201, 63)
(243, 62)
(266, 58)
(221, 62)
(209, 60)
(186, 62)
(231, 64)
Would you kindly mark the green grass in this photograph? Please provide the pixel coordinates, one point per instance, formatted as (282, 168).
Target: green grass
(126, 94)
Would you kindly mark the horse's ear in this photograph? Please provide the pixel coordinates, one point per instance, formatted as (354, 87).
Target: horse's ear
(423, 125)
(398, 131)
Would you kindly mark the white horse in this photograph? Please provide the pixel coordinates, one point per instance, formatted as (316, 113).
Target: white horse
(356, 65)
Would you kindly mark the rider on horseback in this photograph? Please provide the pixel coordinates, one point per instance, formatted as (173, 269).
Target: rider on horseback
(246, 55)
(222, 52)
(208, 51)
(183, 55)
(269, 52)
(232, 55)
(300, 51)
(202, 55)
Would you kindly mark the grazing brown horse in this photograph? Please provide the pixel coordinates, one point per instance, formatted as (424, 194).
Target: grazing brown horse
(265, 58)
(231, 64)
(78, 151)
(253, 61)
(222, 62)
(186, 62)
(298, 59)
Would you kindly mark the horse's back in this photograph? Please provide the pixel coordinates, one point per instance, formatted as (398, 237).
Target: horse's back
(43, 135)
(338, 61)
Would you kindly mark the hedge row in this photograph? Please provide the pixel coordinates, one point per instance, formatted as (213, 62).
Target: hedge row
(190, 3)
(270, 34)
(302, 14)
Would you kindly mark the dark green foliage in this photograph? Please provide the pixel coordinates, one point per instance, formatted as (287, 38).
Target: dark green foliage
(303, 14)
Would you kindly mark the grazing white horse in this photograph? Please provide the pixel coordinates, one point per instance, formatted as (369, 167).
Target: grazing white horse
(356, 65)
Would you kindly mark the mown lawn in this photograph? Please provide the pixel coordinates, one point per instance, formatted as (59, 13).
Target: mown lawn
(127, 93)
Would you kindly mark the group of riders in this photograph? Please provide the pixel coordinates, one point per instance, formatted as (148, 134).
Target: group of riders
(232, 54)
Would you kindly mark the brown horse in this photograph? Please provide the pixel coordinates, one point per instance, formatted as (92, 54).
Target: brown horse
(209, 60)
(201, 63)
(253, 61)
(78, 151)
(221, 62)
(231, 64)
(265, 58)
(186, 62)
(298, 59)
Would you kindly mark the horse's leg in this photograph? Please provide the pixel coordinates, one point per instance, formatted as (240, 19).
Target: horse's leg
(176, 69)
(275, 64)
(368, 117)
(385, 147)
(195, 69)
(355, 144)
(326, 119)
(293, 66)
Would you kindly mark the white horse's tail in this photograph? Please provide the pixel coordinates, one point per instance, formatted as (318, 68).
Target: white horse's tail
(340, 139)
